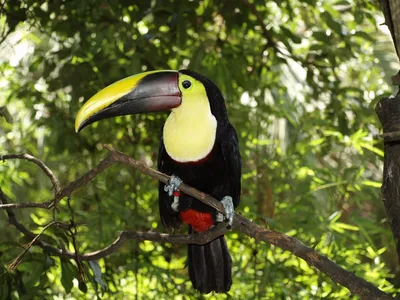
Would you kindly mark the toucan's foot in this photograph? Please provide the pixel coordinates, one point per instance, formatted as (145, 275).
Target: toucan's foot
(229, 211)
(172, 185)
(172, 188)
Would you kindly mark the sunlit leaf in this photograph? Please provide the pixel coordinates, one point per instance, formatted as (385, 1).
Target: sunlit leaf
(94, 265)
(68, 273)
(331, 22)
(372, 183)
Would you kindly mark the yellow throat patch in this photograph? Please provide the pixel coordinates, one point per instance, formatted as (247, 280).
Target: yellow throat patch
(190, 130)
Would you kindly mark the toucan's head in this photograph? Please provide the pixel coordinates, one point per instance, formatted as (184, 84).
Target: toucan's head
(150, 92)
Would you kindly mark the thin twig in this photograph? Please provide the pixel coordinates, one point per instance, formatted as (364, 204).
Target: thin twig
(390, 136)
(44, 205)
(15, 263)
(73, 232)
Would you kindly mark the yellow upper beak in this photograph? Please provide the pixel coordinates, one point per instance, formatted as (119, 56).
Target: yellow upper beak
(144, 92)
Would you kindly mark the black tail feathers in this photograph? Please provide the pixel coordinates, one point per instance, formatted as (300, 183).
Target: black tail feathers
(210, 266)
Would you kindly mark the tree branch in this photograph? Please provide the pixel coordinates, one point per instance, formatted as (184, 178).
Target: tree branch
(24, 205)
(19, 258)
(339, 275)
(391, 11)
(388, 110)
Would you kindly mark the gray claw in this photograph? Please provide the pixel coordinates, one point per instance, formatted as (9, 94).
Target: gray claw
(219, 217)
(229, 210)
(171, 187)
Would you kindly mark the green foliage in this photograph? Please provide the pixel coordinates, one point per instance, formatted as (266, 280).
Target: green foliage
(301, 95)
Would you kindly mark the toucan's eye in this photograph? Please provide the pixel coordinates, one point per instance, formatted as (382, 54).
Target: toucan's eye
(186, 84)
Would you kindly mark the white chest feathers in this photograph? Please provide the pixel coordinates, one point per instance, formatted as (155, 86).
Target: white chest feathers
(189, 136)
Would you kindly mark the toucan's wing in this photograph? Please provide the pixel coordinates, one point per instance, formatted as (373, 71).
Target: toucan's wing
(233, 163)
(169, 218)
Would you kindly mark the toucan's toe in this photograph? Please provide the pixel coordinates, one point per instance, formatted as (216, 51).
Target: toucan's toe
(229, 210)
(172, 185)
(172, 188)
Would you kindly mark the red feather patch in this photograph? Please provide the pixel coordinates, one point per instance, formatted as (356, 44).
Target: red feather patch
(200, 221)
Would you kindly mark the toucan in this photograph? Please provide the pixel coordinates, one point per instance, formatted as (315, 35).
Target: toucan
(198, 146)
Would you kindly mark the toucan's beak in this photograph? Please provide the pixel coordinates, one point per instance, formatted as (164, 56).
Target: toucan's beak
(141, 93)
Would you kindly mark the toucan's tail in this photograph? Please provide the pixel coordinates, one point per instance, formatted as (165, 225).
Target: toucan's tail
(210, 266)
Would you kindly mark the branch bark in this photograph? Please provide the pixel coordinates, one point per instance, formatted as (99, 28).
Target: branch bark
(388, 111)
(355, 284)
(391, 11)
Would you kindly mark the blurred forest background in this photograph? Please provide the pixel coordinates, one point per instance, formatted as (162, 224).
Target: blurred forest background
(300, 91)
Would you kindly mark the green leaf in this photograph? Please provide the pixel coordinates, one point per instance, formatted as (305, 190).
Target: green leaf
(317, 142)
(6, 114)
(364, 35)
(372, 183)
(296, 39)
(68, 273)
(344, 226)
(335, 216)
(321, 36)
(94, 265)
(82, 286)
(339, 227)
(370, 147)
(332, 24)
